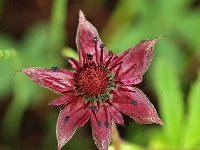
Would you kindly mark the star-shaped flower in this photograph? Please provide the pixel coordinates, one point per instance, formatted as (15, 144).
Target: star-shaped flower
(100, 88)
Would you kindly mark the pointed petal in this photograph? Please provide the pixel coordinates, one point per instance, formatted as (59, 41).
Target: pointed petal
(86, 33)
(117, 116)
(101, 127)
(136, 61)
(136, 105)
(59, 80)
(68, 121)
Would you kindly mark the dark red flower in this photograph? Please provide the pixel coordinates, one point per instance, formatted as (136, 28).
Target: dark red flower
(100, 88)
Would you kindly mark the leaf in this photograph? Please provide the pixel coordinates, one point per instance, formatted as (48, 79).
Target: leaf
(57, 26)
(126, 146)
(6, 64)
(69, 52)
(167, 86)
(7, 53)
(192, 136)
(24, 92)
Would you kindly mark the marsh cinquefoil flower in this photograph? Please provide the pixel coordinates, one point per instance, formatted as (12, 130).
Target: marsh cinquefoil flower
(100, 88)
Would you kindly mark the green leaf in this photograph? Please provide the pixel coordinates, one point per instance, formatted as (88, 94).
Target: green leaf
(7, 71)
(23, 94)
(4, 54)
(69, 52)
(192, 136)
(126, 146)
(57, 26)
(167, 86)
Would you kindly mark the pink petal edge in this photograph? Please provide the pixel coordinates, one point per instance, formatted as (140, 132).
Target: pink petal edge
(86, 33)
(69, 120)
(60, 81)
(136, 61)
(136, 105)
(101, 123)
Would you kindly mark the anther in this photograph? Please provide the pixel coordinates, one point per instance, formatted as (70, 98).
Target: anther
(61, 107)
(97, 54)
(109, 59)
(117, 72)
(101, 56)
(94, 108)
(67, 118)
(102, 46)
(115, 65)
(89, 56)
(95, 40)
(73, 62)
(134, 102)
(110, 53)
(99, 123)
(54, 69)
(106, 124)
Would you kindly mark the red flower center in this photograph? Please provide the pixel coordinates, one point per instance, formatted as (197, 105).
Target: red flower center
(91, 80)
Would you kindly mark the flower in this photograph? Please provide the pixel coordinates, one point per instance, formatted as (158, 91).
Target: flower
(100, 88)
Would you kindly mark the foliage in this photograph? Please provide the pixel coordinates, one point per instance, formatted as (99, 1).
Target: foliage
(30, 52)
(177, 95)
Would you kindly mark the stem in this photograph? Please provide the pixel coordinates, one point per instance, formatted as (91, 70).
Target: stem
(116, 140)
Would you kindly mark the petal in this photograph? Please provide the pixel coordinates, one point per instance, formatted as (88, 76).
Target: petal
(60, 100)
(58, 80)
(136, 61)
(116, 115)
(101, 127)
(69, 120)
(86, 33)
(133, 102)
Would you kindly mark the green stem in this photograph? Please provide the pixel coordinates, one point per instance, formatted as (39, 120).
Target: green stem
(116, 140)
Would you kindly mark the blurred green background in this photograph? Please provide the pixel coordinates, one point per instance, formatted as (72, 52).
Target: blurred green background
(42, 33)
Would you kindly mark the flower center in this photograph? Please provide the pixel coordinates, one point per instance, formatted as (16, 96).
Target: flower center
(93, 82)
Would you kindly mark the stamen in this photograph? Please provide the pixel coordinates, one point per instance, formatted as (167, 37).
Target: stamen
(73, 61)
(61, 107)
(93, 108)
(117, 72)
(106, 124)
(127, 71)
(69, 91)
(82, 107)
(97, 54)
(99, 123)
(89, 56)
(67, 118)
(95, 116)
(54, 69)
(134, 102)
(126, 90)
(108, 61)
(85, 59)
(80, 58)
(119, 81)
(110, 53)
(101, 56)
(115, 65)
(106, 115)
(115, 93)
(119, 58)
(84, 116)
(95, 40)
